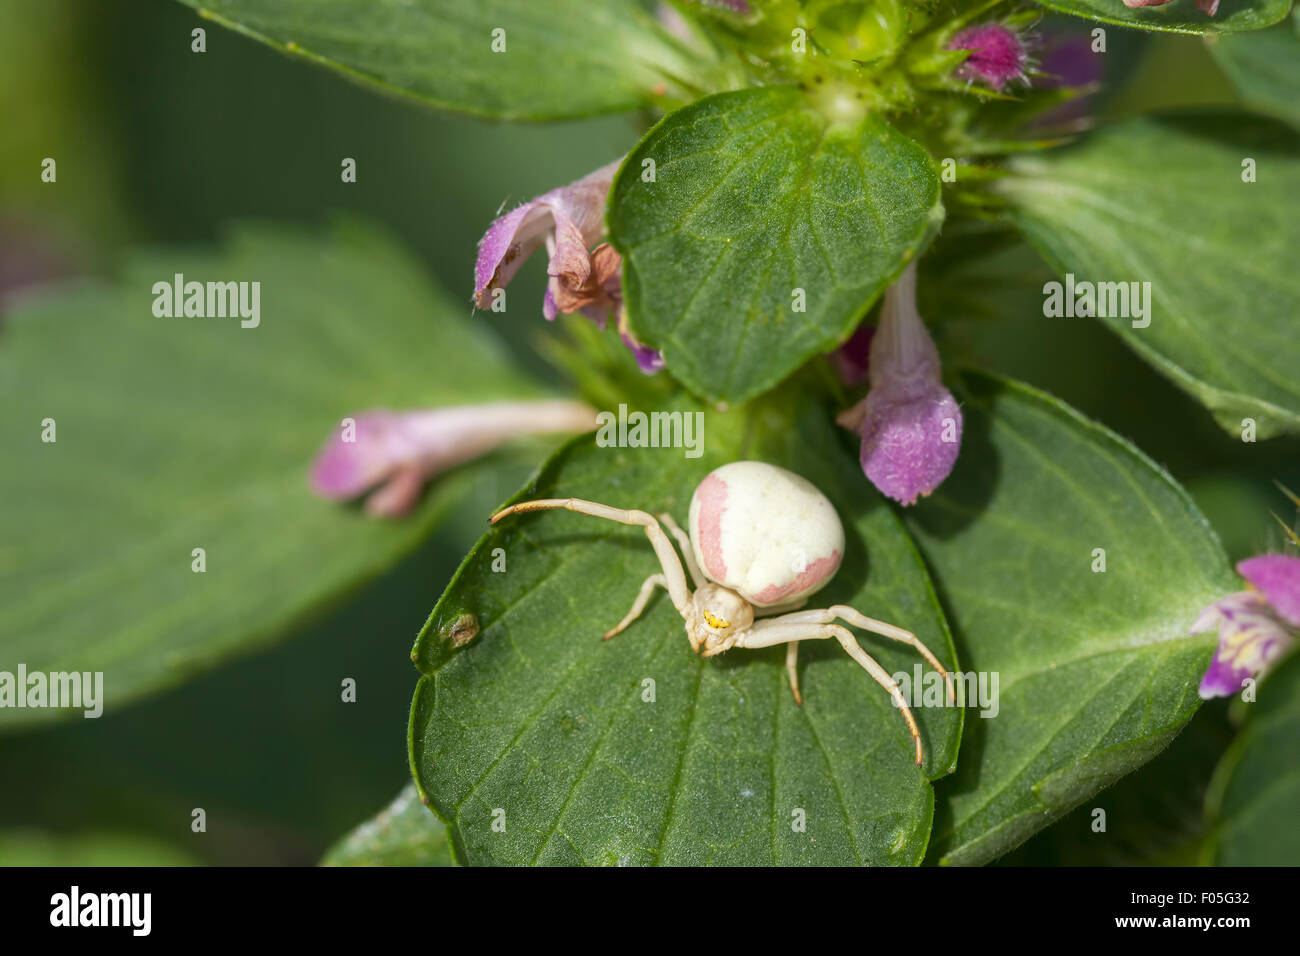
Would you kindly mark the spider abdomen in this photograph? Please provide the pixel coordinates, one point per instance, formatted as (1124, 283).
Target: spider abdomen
(764, 532)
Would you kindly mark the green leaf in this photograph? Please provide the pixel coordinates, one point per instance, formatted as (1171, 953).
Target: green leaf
(1154, 816)
(1256, 788)
(756, 195)
(405, 833)
(1180, 16)
(526, 718)
(1217, 251)
(1096, 670)
(562, 58)
(183, 433)
(1264, 66)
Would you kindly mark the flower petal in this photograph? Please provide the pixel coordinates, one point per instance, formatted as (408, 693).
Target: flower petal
(648, 359)
(401, 450)
(1277, 577)
(910, 446)
(1251, 637)
(910, 424)
(574, 214)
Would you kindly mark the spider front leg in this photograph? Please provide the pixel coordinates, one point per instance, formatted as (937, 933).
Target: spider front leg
(683, 542)
(858, 619)
(673, 577)
(642, 596)
(782, 630)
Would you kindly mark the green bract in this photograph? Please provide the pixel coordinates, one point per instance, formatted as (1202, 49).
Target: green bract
(756, 232)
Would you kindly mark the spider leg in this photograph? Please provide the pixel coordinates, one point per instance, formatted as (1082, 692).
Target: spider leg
(684, 543)
(647, 588)
(858, 619)
(791, 660)
(674, 576)
(779, 631)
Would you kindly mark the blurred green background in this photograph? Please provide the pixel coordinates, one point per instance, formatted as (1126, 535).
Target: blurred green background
(159, 145)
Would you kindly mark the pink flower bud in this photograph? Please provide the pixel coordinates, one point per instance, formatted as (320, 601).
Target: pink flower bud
(910, 424)
(400, 451)
(997, 57)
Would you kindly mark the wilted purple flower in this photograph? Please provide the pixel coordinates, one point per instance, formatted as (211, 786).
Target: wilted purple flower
(585, 274)
(997, 57)
(1210, 7)
(400, 451)
(910, 424)
(1256, 627)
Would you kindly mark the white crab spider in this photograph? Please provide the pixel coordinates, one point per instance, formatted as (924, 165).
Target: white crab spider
(761, 538)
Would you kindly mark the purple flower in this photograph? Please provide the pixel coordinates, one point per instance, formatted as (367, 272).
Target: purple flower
(1256, 627)
(910, 424)
(1209, 7)
(852, 359)
(400, 451)
(1067, 61)
(585, 273)
(997, 57)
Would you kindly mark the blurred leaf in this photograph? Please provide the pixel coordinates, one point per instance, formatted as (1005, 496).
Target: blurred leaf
(562, 58)
(1217, 251)
(539, 718)
(38, 848)
(755, 195)
(1256, 788)
(1181, 16)
(1264, 66)
(405, 833)
(1096, 671)
(1154, 816)
(181, 433)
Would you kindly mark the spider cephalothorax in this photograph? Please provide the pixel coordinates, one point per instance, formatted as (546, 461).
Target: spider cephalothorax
(762, 540)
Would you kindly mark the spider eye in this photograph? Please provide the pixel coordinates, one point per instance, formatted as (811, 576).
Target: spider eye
(716, 621)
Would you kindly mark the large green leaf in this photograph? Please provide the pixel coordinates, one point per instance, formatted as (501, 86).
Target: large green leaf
(1180, 16)
(562, 58)
(1154, 816)
(1264, 66)
(1161, 200)
(183, 433)
(756, 194)
(1256, 789)
(405, 833)
(526, 717)
(1096, 670)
